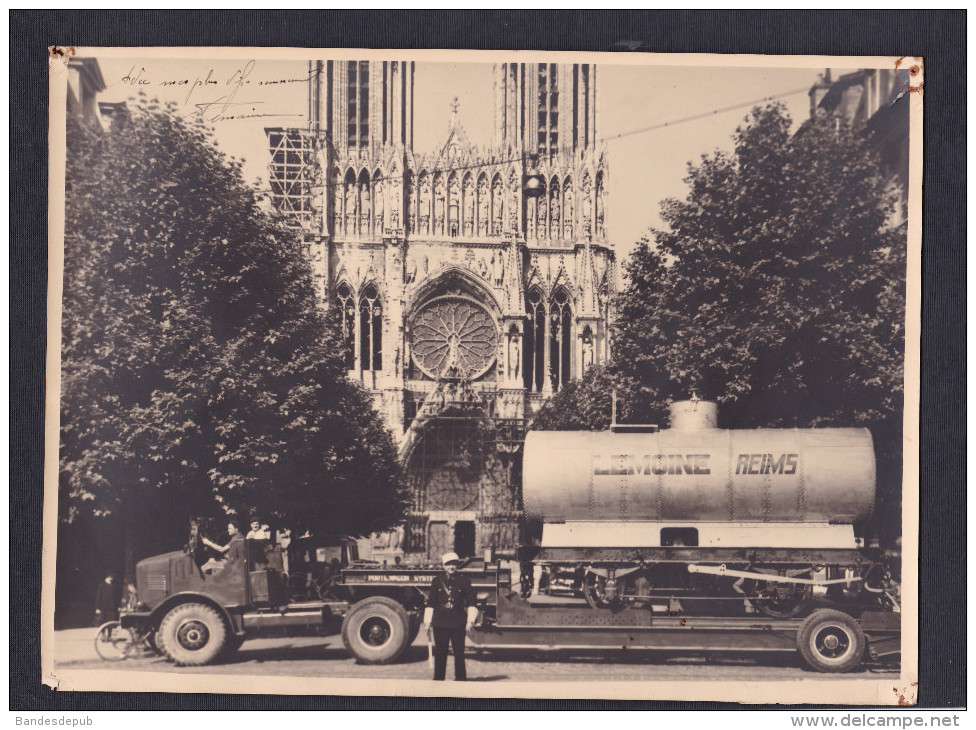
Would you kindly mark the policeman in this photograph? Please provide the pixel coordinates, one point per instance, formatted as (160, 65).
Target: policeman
(450, 611)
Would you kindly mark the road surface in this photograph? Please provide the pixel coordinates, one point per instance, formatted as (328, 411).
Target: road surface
(325, 656)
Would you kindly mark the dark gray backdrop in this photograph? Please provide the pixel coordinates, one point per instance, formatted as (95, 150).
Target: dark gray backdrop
(939, 36)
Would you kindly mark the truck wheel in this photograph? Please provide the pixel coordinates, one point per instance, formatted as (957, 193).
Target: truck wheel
(193, 634)
(415, 623)
(375, 631)
(830, 641)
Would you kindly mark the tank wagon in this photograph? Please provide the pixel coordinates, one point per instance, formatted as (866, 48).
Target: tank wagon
(763, 515)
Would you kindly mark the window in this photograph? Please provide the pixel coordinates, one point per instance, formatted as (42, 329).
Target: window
(348, 309)
(371, 330)
(357, 96)
(534, 355)
(548, 341)
(548, 108)
(560, 339)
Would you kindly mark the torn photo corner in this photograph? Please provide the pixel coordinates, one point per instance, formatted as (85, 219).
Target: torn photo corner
(572, 375)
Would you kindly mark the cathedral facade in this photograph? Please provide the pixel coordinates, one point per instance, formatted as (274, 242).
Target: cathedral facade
(472, 283)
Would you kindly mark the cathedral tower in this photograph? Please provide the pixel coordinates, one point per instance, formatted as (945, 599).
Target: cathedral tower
(465, 300)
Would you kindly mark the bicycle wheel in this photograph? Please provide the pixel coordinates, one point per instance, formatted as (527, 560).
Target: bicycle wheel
(112, 642)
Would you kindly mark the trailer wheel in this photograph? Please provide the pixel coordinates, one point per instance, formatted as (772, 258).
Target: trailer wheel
(830, 641)
(376, 630)
(193, 634)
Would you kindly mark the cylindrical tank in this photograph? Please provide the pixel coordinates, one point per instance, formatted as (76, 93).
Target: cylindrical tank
(700, 474)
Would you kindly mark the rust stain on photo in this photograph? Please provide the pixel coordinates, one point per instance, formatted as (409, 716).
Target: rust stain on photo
(915, 66)
(60, 52)
(907, 697)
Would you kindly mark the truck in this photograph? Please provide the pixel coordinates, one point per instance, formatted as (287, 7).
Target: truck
(693, 539)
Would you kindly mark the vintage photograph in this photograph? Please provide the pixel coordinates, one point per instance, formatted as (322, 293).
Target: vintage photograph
(483, 374)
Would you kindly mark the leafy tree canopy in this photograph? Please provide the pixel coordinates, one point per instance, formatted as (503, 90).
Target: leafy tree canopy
(199, 375)
(777, 287)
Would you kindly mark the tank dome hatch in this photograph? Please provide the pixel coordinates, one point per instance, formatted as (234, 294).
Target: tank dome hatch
(694, 414)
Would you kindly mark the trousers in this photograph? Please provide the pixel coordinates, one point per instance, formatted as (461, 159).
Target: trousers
(454, 637)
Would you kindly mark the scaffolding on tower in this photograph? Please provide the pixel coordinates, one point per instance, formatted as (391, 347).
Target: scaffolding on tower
(294, 175)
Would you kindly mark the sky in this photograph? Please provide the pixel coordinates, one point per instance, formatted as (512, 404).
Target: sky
(645, 167)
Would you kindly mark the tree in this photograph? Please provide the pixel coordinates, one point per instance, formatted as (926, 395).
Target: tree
(586, 404)
(199, 375)
(765, 293)
(777, 290)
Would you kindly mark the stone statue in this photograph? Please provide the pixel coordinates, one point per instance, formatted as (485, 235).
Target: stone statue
(587, 351)
(350, 208)
(513, 355)
(497, 268)
(380, 207)
(468, 213)
(483, 207)
(337, 207)
(568, 211)
(599, 210)
(364, 209)
(496, 212)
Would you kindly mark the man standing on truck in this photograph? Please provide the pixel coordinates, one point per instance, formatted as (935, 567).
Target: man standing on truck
(451, 612)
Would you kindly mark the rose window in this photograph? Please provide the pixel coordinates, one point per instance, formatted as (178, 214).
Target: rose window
(453, 337)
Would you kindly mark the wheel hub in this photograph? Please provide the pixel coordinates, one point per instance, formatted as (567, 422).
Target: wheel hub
(832, 643)
(193, 635)
(375, 631)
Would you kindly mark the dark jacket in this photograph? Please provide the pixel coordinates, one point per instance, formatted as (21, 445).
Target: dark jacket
(107, 599)
(236, 549)
(450, 596)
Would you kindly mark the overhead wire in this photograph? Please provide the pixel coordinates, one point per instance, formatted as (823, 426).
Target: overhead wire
(496, 162)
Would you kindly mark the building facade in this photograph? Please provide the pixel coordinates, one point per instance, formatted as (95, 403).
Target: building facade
(472, 283)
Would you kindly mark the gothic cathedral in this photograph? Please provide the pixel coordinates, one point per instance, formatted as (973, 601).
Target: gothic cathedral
(472, 283)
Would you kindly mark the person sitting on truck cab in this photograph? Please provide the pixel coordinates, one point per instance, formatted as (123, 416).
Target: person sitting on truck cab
(258, 531)
(194, 546)
(233, 550)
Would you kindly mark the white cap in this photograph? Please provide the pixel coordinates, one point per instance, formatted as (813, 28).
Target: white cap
(450, 558)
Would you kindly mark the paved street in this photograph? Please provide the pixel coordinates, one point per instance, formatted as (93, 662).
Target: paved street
(325, 657)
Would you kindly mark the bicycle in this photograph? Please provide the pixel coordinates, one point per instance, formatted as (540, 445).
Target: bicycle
(114, 643)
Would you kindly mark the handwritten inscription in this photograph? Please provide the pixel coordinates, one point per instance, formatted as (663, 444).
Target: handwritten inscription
(217, 96)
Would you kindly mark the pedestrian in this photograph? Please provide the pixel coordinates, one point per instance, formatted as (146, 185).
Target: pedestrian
(450, 612)
(106, 601)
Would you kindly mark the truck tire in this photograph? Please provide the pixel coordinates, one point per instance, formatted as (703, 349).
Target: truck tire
(193, 634)
(830, 641)
(376, 630)
(415, 623)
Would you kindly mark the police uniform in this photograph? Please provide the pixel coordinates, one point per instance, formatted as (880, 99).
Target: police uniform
(450, 597)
